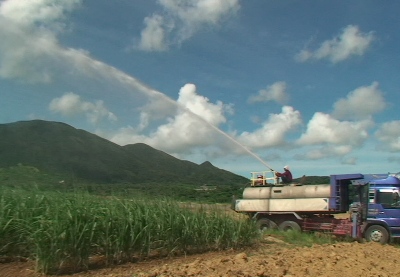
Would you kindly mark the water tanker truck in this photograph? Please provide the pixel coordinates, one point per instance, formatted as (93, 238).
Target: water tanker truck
(374, 216)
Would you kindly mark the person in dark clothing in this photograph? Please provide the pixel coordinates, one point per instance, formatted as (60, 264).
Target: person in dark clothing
(286, 176)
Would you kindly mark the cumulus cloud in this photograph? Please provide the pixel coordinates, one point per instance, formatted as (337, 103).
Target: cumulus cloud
(324, 152)
(360, 103)
(71, 104)
(181, 19)
(16, 51)
(349, 43)
(200, 105)
(156, 109)
(275, 92)
(30, 51)
(389, 136)
(46, 13)
(273, 131)
(28, 30)
(153, 35)
(324, 129)
(194, 124)
(347, 128)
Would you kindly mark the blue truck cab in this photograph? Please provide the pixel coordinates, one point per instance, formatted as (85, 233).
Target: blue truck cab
(382, 222)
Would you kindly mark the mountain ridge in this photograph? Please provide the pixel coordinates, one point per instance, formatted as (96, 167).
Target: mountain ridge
(58, 147)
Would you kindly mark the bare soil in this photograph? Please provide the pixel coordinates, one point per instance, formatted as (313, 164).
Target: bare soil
(270, 258)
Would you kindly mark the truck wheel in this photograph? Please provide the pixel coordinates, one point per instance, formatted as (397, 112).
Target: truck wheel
(377, 233)
(266, 224)
(289, 225)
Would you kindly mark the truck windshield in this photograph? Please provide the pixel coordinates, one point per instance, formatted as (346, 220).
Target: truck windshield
(389, 200)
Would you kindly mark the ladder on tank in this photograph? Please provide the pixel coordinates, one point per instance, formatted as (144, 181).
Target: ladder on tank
(338, 194)
(341, 194)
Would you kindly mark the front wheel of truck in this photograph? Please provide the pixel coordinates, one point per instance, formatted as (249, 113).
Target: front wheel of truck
(377, 233)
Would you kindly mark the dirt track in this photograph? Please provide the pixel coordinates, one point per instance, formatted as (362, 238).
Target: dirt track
(271, 258)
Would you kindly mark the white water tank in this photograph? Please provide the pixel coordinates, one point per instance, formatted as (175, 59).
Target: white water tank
(287, 192)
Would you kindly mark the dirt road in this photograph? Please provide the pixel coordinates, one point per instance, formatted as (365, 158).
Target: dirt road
(272, 258)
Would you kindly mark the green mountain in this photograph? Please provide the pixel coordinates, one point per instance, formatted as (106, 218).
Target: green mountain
(56, 147)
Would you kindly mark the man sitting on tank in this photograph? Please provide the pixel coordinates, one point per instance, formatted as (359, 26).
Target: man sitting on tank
(286, 176)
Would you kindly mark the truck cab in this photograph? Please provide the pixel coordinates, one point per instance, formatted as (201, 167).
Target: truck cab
(383, 208)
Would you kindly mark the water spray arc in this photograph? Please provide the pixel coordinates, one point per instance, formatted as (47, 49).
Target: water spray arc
(107, 71)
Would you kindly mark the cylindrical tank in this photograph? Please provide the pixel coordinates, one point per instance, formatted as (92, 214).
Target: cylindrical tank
(277, 192)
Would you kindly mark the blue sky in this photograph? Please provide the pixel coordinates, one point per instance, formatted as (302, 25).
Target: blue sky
(246, 85)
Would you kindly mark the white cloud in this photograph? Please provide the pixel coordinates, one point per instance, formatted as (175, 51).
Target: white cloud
(389, 136)
(71, 104)
(30, 51)
(275, 92)
(181, 19)
(200, 11)
(22, 56)
(200, 105)
(28, 42)
(360, 103)
(346, 128)
(194, 125)
(351, 42)
(189, 127)
(157, 109)
(153, 35)
(324, 152)
(273, 131)
(46, 13)
(324, 129)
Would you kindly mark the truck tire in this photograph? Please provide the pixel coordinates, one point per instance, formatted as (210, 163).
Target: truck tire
(289, 225)
(377, 233)
(266, 224)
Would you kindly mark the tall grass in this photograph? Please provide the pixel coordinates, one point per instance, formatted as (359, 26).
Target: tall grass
(62, 231)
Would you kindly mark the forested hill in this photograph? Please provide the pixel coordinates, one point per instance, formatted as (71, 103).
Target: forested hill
(56, 147)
